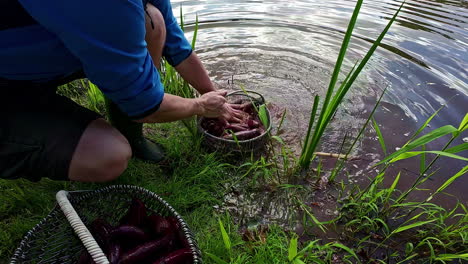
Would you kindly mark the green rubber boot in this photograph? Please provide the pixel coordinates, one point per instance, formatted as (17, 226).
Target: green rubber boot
(142, 148)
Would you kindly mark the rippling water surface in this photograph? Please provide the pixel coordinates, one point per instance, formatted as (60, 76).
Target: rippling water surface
(286, 50)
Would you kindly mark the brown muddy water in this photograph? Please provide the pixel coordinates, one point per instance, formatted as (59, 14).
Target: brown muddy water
(286, 50)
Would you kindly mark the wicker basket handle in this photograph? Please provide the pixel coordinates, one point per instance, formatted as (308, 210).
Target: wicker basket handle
(80, 229)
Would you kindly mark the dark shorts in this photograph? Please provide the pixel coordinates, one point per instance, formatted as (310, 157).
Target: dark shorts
(39, 131)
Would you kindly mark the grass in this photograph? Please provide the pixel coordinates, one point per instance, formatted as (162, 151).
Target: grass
(375, 224)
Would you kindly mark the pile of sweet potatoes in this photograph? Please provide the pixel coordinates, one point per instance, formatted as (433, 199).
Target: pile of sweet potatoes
(249, 127)
(140, 238)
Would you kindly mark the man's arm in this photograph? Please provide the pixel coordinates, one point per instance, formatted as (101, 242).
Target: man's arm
(211, 104)
(193, 71)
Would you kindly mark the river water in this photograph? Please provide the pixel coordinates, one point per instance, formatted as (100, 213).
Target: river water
(286, 50)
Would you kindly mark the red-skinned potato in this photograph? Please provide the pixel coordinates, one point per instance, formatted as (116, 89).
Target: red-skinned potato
(181, 256)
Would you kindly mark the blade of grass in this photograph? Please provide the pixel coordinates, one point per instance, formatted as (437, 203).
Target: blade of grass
(392, 188)
(379, 136)
(182, 26)
(464, 124)
(422, 161)
(311, 123)
(411, 154)
(407, 227)
(292, 250)
(195, 32)
(431, 136)
(226, 240)
(458, 148)
(283, 116)
(447, 183)
(347, 249)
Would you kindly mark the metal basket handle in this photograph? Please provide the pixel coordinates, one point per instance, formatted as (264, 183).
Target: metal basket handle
(80, 229)
(246, 92)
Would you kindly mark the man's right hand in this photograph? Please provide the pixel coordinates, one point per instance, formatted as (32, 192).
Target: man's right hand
(214, 104)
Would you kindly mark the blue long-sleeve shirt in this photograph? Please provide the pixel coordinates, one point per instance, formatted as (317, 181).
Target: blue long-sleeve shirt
(105, 38)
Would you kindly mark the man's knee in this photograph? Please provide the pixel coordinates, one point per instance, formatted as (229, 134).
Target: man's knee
(114, 163)
(102, 154)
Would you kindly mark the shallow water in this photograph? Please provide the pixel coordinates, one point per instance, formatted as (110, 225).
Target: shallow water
(286, 50)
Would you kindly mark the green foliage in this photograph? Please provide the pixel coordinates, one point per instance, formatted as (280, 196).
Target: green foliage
(332, 102)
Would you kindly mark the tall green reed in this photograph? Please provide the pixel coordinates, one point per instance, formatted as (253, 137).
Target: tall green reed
(333, 100)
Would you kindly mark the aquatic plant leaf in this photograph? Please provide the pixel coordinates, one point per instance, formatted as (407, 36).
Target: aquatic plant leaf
(283, 116)
(407, 227)
(314, 219)
(226, 240)
(424, 125)
(392, 188)
(435, 134)
(298, 261)
(409, 248)
(195, 32)
(182, 25)
(308, 136)
(347, 249)
(280, 140)
(304, 250)
(262, 114)
(411, 154)
(422, 161)
(463, 256)
(458, 148)
(464, 124)
(449, 181)
(292, 250)
(379, 136)
(361, 65)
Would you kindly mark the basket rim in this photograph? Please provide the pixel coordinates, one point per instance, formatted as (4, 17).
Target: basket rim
(76, 196)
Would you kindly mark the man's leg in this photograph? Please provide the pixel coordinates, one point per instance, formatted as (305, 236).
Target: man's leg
(142, 148)
(54, 137)
(101, 155)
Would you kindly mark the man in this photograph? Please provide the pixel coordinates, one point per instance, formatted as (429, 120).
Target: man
(118, 45)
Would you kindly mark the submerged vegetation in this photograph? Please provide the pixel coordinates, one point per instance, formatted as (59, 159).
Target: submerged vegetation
(376, 223)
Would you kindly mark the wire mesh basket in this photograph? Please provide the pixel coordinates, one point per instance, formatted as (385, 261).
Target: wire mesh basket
(244, 146)
(54, 240)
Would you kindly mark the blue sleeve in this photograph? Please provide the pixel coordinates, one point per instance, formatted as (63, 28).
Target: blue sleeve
(108, 37)
(177, 48)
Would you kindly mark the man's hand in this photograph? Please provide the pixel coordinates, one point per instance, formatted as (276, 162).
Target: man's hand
(214, 104)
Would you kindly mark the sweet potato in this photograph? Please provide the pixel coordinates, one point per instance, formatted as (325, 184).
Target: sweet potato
(85, 258)
(115, 250)
(181, 256)
(136, 214)
(148, 250)
(243, 135)
(181, 240)
(253, 124)
(101, 230)
(158, 224)
(237, 127)
(128, 232)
